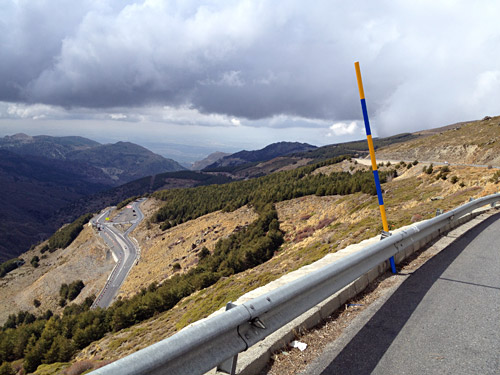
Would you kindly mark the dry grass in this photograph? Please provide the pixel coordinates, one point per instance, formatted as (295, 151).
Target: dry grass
(161, 250)
(356, 217)
(476, 142)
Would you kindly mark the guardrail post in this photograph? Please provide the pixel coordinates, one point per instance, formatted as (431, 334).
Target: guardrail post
(385, 234)
(439, 211)
(229, 365)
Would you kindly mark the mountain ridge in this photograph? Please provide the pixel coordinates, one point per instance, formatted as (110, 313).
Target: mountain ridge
(44, 175)
(312, 226)
(267, 153)
(122, 162)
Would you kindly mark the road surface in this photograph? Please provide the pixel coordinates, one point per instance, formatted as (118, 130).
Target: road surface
(124, 250)
(443, 319)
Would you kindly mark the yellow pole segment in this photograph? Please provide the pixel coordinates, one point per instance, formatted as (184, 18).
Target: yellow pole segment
(372, 155)
(360, 81)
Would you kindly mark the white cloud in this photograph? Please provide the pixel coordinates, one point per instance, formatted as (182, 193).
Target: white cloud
(26, 111)
(343, 128)
(235, 122)
(263, 64)
(117, 116)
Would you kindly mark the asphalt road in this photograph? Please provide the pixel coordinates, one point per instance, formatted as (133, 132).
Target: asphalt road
(443, 319)
(124, 250)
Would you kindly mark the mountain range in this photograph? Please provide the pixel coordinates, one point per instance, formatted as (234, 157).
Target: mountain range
(203, 246)
(53, 180)
(267, 153)
(107, 164)
(42, 175)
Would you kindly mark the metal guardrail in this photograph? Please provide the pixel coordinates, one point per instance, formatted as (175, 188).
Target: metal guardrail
(202, 346)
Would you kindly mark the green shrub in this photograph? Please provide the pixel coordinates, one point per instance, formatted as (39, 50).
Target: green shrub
(71, 291)
(176, 267)
(6, 369)
(64, 236)
(10, 265)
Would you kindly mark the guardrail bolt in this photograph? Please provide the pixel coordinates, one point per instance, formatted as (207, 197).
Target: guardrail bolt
(385, 234)
(256, 322)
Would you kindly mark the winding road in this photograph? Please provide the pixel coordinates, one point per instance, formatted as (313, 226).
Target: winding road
(123, 248)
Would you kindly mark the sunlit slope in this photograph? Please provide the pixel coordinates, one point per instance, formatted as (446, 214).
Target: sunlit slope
(476, 142)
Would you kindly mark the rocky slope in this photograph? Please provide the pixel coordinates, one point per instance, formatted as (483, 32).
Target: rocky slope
(87, 259)
(475, 142)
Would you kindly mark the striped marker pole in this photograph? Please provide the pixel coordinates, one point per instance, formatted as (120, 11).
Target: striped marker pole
(372, 156)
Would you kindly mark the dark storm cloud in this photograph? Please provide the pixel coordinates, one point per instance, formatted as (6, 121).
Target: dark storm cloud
(423, 64)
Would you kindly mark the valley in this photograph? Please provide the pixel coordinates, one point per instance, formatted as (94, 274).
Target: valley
(315, 214)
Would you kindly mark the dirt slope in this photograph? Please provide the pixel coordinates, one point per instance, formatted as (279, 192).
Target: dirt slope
(87, 259)
(160, 250)
(476, 142)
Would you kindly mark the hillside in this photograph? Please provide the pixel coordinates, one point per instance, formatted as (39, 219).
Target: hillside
(35, 190)
(120, 162)
(251, 169)
(210, 159)
(314, 226)
(124, 161)
(45, 146)
(53, 180)
(475, 142)
(87, 259)
(228, 163)
(201, 247)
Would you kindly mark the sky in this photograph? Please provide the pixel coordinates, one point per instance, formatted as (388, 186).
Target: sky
(194, 77)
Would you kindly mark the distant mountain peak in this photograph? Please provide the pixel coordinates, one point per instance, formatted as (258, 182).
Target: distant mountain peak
(19, 137)
(210, 159)
(267, 153)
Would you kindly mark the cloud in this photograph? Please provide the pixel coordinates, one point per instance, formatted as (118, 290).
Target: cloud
(274, 64)
(342, 128)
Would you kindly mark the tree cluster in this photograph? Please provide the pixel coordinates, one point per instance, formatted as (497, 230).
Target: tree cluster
(64, 236)
(186, 204)
(49, 338)
(10, 265)
(71, 291)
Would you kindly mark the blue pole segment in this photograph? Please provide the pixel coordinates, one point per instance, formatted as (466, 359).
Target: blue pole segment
(379, 189)
(365, 117)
